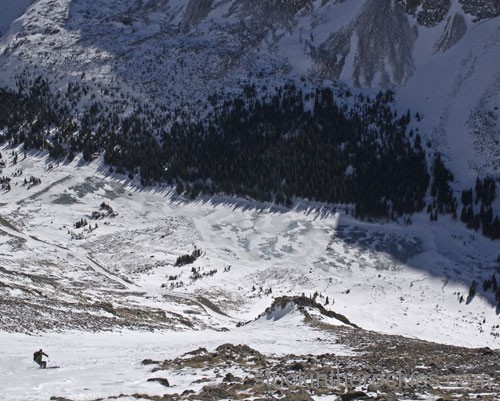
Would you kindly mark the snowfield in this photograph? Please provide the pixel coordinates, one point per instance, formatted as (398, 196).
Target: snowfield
(101, 298)
(102, 273)
(107, 364)
(395, 278)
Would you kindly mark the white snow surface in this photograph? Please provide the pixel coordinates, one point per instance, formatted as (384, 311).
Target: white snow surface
(108, 364)
(10, 10)
(457, 94)
(401, 279)
(386, 277)
(382, 276)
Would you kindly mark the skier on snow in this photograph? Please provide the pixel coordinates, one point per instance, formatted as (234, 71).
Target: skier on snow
(37, 357)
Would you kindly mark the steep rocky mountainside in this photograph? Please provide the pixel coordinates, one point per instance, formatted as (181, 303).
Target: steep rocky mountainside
(175, 60)
(159, 44)
(432, 12)
(389, 368)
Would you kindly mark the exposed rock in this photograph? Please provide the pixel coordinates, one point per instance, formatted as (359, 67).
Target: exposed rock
(230, 378)
(302, 302)
(301, 395)
(432, 12)
(486, 351)
(199, 351)
(383, 54)
(238, 352)
(164, 382)
(427, 12)
(481, 9)
(212, 393)
(454, 30)
(196, 11)
(390, 396)
(297, 366)
(150, 362)
(250, 381)
(353, 395)
(165, 397)
(378, 355)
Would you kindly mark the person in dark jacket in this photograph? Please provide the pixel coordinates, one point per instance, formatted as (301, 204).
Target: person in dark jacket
(37, 357)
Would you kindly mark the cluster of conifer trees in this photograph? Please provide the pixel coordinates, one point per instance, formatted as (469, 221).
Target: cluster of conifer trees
(477, 210)
(275, 150)
(270, 147)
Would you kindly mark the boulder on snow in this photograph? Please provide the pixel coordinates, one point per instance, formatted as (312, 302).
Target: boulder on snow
(301, 395)
(212, 392)
(390, 396)
(161, 380)
(230, 378)
(150, 362)
(297, 366)
(353, 395)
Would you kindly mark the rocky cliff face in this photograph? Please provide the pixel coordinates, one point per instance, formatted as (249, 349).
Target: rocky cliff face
(481, 9)
(432, 12)
(427, 12)
(177, 53)
(378, 56)
(165, 45)
(454, 30)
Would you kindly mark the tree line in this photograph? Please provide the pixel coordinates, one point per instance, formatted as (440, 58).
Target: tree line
(275, 146)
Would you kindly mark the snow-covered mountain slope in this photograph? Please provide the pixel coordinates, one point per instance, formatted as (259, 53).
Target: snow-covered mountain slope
(457, 93)
(95, 366)
(119, 270)
(11, 10)
(84, 250)
(119, 273)
(174, 54)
